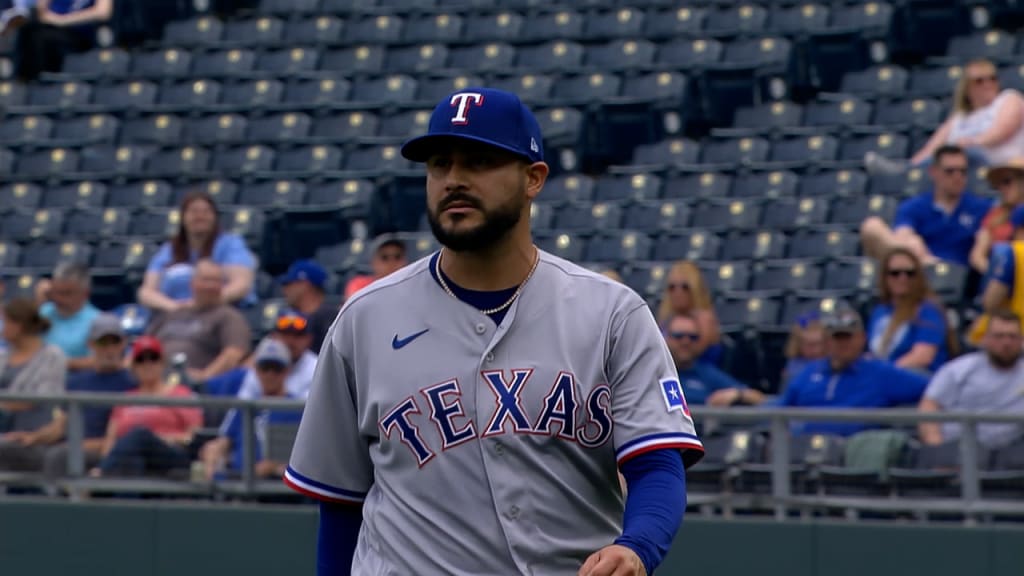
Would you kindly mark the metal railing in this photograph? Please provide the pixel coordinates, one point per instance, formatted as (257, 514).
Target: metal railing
(775, 421)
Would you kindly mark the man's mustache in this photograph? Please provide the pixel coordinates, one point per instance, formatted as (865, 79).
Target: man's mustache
(458, 197)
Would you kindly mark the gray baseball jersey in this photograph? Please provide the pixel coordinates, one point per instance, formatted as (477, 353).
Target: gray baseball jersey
(479, 448)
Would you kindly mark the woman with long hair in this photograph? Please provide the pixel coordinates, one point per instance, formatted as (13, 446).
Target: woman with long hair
(167, 284)
(686, 292)
(908, 327)
(144, 440)
(27, 365)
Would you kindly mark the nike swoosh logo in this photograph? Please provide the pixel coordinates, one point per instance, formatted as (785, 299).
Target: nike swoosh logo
(398, 344)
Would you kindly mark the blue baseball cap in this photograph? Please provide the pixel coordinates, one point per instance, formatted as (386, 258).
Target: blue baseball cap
(307, 270)
(484, 115)
(1017, 217)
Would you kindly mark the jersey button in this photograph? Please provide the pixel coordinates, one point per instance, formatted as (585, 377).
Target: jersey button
(481, 328)
(513, 512)
(489, 358)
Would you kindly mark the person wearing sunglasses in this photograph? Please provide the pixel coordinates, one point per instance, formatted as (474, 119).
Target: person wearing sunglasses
(1004, 283)
(293, 331)
(846, 378)
(272, 365)
(703, 383)
(389, 255)
(213, 335)
(938, 224)
(145, 440)
(1008, 180)
(987, 122)
(908, 325)
(686, 292)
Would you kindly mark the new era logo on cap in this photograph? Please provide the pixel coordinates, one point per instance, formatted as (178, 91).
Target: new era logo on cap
(485, 115)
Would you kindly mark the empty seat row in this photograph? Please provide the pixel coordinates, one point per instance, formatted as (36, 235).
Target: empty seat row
(516, 26)
(84, 225)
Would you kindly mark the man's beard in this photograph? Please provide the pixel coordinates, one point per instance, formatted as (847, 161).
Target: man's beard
(498, 223)
(1003, 362)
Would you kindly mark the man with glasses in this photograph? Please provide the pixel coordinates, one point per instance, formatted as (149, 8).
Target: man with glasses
(293, 330)
(845, 378)
(388, 256)
(703, 383)
(273, 364)
(990, 380)
(939, 224)
(108, 375)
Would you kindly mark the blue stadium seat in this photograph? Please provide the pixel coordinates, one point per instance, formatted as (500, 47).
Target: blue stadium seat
(885, 81)
(795, 213)
(703, 185)
(854, 210)
(218, 129)
(404, 124)
(624, 22)
(834, 183)
(627, 187)
(103, 63)
(727, 152)
(393, 89)
(824, 242)
(288, 61)
(26, 130)
(568, 188)
(174, 162)
(531, 88)
(224, 192)
(366, 59)
(836, 112)
(420, 58)
(658, 90)
(559, 56)
(169, 63)
(381, 29)
(764, 120)
(736, 20)
(101, 224)
(589, 217)
(63, 96)
(657, 215)
(225, 63)
(690, 244)
(618, 247)
(542, 216)
(647, 278)
(293, 7)
(726, 276)
(310, 160)
(917, 113)
(564, 244)
(776, 184)
(433, 28)
(949, 281)
(285, 127)
(84, 194)
(820, 302)
(937, 82)
(786, 275)
(846, 44)
(20, 196)
(110, 161)
(155, 193)
(92, 129)
(13, 94)
(679, 22)
(887, 144)
(554, 25)
(23, 225)
(323, 29)
(804, 151)
(1009, 77)
(755, 244)
(690, 54)
(492, 57)
(587, 88)
(47, 163)
(851, 272)
(272, 194)
(505, 26)
(798, 19)
(740, 79)
(196, 32)
(747, 309)
(243, 160)
(993, 44)
(562, 129)
(162, 129)
(432, 90)
(346, 126)
(622, 54)
(665, 153)
(126, 95)
(127, 254)
(44, 255)
(244, 221)
(254, 32)
(6, 161)
(728, 214)
(340, 193)
(317, 92)
(377, 159)
(10, 255)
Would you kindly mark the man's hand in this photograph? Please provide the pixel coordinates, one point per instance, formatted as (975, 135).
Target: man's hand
(614, 560)
(51, 18)
(269, 469)
(20, 437)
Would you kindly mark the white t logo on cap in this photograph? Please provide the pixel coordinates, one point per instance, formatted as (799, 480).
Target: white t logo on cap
(461, 102)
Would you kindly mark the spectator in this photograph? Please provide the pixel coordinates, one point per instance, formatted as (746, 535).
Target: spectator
(3, 291)
(293, 330)
(388, 256)
(167, 284)
(908, 327)
(273, 363)
(213, 336)
(988, 123)
(303, 287)
(65, 303)
(59, 27)
(687, 293)
(806, 343)
(996, 228)
(148, 439)
(613, 274)
(935, 225)
(846, 379)
(29, 366)
(703, 383)
(989, 381)
(1003, 289)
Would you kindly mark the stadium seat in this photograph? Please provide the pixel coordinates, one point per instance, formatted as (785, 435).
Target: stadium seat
(851, 273)
(948, 281)
(764, 119)
(834, 183)
(728, 214)
(63, 96)
(130, 254)
(163, 129)
(224, 192)
(627, 187)
(531, 88)
(776, 184)
(433, 28)
(433, 90)
(13, 94)
(836, 112)
(254, 32)
(804, 151)
(169, 63)
(936, 82)
(243, 160)
(558, 56)
(345, 127)
(588, 217)
(735, 20)
(702, 185)
(622, 55)
(174, 162)
(904, 184)
(542, 216)
(81, 130)
(376, 159)
(887, 144)
(846, 44)
(126, 95)
(756, 245)
(108, 161)
(421, 58)
(47, 163)
(381, 29)
(673, 23)
(993, 44)
(505, 26)
(824, 242)
(218, 129)
(244, 221)
(155, 193)
(568, 188)
(647, 278)
(84, 194)
(798, 19)
(354, 59)
(477, 58)
(657, 215)
(26, 130)
(394, 89)
(289, 61)
(747, 309)
(22, 225)
(725, 276)
(618, 247)
(293, 7)
(687, 245)
(225, 63)
(625, 22)
(554, 25)
(10, 255)
(740, 79)
(102, 224)
(339, 193)
(285, 127)
(273, 194)
(197, 32)
(665, 153)
(562, 244)
(883, 81)
(404, 125)
(853, 211)
(795, 213)
(20, 196)
(315, 93)
(689, 54)
(918, 113)
(587, 88)
(323, 29)
(724, 152)
(786, 275)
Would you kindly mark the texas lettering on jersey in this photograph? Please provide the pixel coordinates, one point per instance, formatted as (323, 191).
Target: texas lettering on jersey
(564, 414)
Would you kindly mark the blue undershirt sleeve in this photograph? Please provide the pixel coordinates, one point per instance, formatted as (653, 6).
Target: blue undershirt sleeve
(655, 504)
(337, 537)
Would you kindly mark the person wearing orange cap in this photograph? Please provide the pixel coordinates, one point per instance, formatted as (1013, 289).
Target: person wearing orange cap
(143, 440)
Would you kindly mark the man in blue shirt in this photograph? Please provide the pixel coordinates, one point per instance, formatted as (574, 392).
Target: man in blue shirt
(847, 379)
(703, 383)
(939, 224)
(66, 305)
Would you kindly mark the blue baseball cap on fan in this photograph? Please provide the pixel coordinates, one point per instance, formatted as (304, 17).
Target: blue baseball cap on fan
(484, 115)
(1017, 217)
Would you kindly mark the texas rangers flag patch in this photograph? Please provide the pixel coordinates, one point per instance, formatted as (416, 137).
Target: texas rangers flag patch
(673, 393)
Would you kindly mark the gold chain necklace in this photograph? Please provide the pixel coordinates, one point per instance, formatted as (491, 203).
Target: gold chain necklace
(444, 285)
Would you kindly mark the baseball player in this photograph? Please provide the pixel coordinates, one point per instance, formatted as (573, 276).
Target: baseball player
(470, 412)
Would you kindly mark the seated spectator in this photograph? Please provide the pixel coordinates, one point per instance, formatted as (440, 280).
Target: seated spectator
(59, 27)
(846, 379)
(213, 336)
(294, 331)
(3, 290)
(143, 440)
(167, 285)
(939, 224)
(703, 383)
(687, 293)
(65, 303)
(613, 274)
(28, 366)
(996, 228)
(388, 256)
(303, 287)
(806, 343)
(988, 123)
(1004, 290)
(989, 381)
(273, 363)
(908, 326)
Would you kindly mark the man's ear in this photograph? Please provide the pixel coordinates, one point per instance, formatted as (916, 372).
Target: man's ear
(536, 176)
